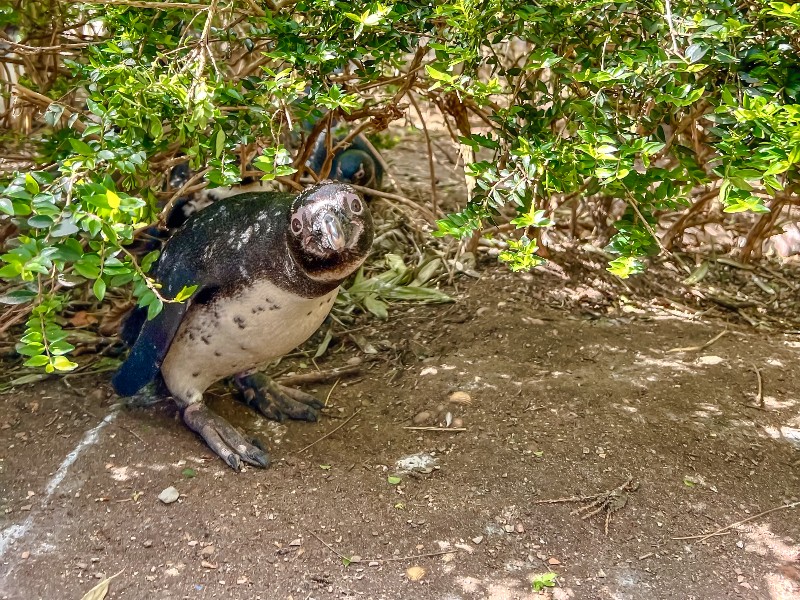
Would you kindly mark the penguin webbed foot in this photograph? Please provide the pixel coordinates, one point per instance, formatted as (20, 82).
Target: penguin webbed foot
(276, 401)
(230, 445)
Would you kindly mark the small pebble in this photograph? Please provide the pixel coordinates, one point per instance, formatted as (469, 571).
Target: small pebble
(169, 495)
(25, 555)
(477, 540)
(422, 417)
(207, 551)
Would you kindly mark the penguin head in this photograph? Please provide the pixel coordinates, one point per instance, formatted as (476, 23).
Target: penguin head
(330, 231)
(354, 166)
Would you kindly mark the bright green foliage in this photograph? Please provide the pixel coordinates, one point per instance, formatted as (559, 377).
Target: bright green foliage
(639, 102)
(543, 580)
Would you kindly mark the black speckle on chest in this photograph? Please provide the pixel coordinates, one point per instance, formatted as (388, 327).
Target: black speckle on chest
(239, 322)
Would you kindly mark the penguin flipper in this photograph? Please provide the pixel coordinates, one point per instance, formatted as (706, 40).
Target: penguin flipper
(149, 350)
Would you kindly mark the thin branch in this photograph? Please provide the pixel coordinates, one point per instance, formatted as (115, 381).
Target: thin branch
(431, 165)
(425, 212)
(703, 537)
(350, 418)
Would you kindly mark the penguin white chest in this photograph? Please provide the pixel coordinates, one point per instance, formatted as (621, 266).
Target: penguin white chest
(235, 333)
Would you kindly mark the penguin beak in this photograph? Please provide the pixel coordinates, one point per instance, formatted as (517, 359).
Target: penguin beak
(334, 231)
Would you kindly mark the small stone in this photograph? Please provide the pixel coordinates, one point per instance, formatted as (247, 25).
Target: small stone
(509, 528)
(601, 574)
(26, 507)
(296, 542)
(710, 359)
(242, 580)
(374, 563)
(477, 540)
(100, 575)
(458, 422)
(147, 543)
(422, 417)
(355, 558)
(169, 495)
(553, 561)
(192, 543)
(207, 551)
(354, 360)
(82, 565)
(520, 528)
(25, 555)
(208, 565)
(415, 573)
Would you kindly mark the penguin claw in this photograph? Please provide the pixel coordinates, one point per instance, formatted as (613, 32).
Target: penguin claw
(275, 401)
(230, 445)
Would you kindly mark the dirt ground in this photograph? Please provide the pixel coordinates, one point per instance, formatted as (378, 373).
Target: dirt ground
(563, 403)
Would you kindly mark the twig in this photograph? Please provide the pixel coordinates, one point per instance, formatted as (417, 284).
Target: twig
(115, 424)
(140, 4)
(701, 347)
(329, 547)
(760, 395)
(443, 429)
(425, 212)
(702, 537)
(328, 397)
(353, 416)
(384, 165)
(390, 559)
(431, 164)
(318, 376)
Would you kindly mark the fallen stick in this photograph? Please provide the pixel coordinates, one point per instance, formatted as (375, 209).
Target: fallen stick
(699, 348)
(445, 429)
(704, 536)
(381, 560)
(350, 418)
(318, 376)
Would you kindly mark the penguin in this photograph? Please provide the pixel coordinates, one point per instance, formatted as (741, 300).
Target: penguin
(267, 267)
(357, 164)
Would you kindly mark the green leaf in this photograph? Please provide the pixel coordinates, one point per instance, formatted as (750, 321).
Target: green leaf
(185, 293)
(62, 363)
(112, 199)
(393, 479)
(99, 289)
(189, 472)
(37, 361)
(154, 308)
(81, 147)
(219, 144)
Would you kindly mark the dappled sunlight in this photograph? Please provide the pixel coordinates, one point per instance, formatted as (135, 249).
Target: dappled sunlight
(783, 583)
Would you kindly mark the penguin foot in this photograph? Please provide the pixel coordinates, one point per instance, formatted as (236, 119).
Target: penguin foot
(275, 401)
(230, 445)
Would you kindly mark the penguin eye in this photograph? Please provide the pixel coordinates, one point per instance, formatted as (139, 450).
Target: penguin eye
(297, 225)
(355, 205)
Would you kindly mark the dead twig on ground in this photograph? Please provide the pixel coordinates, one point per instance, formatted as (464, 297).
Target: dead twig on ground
(349, 560)
(722, 531)
(444, 429)
(610, 501)
(330, 433)
(701, 347)
(319, 376)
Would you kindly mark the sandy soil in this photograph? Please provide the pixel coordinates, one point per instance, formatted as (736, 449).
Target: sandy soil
(563, 404)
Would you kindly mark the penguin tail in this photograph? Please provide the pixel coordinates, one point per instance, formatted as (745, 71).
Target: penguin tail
(141, 368)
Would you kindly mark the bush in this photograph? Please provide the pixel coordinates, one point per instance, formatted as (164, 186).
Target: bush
(662, 107)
